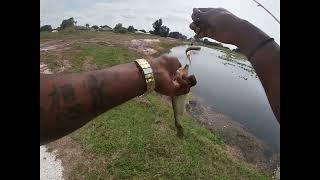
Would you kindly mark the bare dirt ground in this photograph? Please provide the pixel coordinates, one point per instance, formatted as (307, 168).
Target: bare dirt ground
(71, 154)
(144, 46)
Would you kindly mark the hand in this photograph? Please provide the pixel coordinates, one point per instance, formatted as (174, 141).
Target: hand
(167, 81)
(215, 23)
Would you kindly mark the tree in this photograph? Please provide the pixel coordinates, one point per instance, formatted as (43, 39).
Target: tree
(67, 23)
(95, 27)
(142, 30)
(164, 31)
(131, 29)
(118, 28)
(87, 26)
(46, 28)
(177, 35)
(157, 26)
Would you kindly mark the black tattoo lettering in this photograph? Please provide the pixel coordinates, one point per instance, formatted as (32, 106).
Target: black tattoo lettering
(96, 91)
(68, 93)
(64, 94)
(55, 98)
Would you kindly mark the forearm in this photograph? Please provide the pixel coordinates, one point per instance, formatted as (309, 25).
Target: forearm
(69, 101)
(266, 61)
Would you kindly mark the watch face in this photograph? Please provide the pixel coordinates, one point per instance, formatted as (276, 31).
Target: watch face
(147, 70)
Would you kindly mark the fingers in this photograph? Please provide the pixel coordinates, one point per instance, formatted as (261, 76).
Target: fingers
(183, 84)
(172, 64)
(192, 81)
(196, 15)
(195, 28)
(199, 24)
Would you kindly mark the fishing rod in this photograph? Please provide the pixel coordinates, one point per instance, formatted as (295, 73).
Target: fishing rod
(259, 4)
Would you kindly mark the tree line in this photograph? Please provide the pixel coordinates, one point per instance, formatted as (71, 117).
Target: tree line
(158, 28)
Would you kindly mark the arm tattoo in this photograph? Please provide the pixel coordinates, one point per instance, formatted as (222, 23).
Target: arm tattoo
(63, 102)
(96, 91)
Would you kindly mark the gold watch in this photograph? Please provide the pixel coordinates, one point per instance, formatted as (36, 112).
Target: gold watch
(148, 74)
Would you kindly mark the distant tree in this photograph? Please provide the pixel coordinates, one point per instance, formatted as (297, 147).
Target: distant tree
(131, 29)
(174, 34)
(142, 30)
(118, 28)
(106, 26)
(157, 26)
(46, 28)
(95, 27)
(87, 26)
(177, 35)
(151, 32)
(164, 31)
(67, 23)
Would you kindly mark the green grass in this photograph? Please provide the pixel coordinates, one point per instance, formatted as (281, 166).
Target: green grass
(167, 45)
(100, 55)
(103, 56)
(137, 140)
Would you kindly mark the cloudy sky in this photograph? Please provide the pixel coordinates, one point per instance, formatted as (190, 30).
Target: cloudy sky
(142, 13)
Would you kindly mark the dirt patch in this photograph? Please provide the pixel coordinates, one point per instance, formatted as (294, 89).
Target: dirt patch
(44, 69)
(64, 66)
(144, 46)
(71, 154)
(55, 45)
(89, 65)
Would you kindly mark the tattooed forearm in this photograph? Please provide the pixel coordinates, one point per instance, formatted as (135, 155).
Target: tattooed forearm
(70, 101)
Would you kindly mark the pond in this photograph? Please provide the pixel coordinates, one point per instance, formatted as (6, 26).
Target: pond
(230, 86)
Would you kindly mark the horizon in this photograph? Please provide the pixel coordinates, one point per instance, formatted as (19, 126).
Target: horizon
(142, 13)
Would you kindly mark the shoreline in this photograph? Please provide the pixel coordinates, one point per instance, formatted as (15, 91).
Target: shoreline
(241, 144)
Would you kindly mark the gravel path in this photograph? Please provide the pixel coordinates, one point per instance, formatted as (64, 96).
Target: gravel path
(50, 167)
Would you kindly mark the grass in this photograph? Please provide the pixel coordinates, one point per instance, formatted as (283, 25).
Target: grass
(103, 56)
(100, 55)
(167, 45)
(137, 140)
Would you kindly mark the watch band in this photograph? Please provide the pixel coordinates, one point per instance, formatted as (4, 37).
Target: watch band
(148, 74)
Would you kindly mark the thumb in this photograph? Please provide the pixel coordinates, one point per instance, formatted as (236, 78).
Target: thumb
(192, 81)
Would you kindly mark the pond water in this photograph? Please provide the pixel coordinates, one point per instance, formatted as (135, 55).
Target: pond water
(230, 86)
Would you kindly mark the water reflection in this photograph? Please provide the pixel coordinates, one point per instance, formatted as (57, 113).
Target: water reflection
(228, 83)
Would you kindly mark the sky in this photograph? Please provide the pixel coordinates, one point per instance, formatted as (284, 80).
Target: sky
(175, 14)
